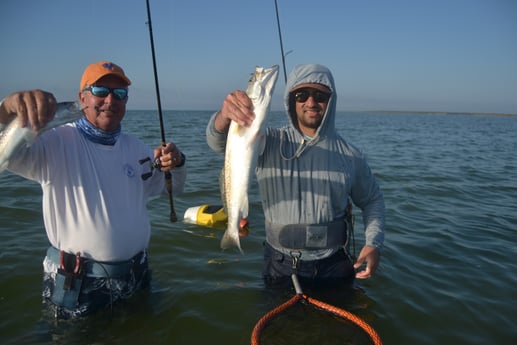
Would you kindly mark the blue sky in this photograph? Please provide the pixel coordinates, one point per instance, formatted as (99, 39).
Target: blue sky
(415, 55)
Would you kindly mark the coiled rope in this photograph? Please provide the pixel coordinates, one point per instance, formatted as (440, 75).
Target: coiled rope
(261, 324)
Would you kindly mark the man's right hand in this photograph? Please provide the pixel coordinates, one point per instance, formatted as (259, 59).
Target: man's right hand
(237, 106)
(35, 108)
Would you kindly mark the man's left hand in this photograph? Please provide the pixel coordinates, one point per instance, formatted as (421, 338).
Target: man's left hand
(169, 155)
(371, 256)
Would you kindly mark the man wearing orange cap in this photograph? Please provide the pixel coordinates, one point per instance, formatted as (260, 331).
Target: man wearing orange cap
(95, 191)
(308, 176)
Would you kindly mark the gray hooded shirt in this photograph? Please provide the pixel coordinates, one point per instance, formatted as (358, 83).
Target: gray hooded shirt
(311, 181)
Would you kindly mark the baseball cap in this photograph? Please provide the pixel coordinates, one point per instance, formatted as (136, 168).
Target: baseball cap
(319, 87)
(95, 71)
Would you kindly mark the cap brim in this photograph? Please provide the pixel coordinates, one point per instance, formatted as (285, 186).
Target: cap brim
(319, 87)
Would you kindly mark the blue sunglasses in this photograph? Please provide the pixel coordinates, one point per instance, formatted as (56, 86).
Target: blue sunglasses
(120, 93)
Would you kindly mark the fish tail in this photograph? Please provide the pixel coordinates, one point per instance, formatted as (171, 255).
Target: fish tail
(231, 239)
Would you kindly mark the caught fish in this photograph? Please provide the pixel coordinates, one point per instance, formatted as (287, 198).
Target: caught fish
(13, 137)
(242, 149)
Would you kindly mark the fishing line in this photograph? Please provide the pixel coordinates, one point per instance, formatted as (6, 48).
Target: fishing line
(281, 44)
(168, 177)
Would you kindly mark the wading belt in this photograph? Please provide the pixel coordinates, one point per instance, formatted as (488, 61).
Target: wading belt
(100, 269)
(307, 236)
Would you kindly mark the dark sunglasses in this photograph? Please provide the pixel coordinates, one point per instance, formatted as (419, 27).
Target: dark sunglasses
(318, 96)
(103, 91)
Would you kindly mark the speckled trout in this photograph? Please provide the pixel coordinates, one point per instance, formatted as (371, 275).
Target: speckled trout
(242, 149)
(13, 137)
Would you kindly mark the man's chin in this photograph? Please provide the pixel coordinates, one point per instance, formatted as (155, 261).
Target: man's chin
(107, 123)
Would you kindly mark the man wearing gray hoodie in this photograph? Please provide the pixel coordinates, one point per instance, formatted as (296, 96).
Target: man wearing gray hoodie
(308, 175)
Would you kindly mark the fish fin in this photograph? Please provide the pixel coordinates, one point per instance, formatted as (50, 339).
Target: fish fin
(245, 207)
(231, 239)
(236, 128)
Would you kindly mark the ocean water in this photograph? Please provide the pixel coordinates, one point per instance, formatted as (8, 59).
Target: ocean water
(447, 274)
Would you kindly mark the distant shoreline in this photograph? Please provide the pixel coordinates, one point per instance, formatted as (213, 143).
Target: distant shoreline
(381, 112)
(441, 113)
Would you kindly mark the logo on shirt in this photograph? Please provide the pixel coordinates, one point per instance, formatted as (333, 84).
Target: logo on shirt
(129, 171)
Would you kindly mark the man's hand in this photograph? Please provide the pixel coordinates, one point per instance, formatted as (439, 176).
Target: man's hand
(371, 256)
(169, 156)
(237, 106)
(35, 108)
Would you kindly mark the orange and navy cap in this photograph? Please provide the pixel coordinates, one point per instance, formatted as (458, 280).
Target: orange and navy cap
(97, 70)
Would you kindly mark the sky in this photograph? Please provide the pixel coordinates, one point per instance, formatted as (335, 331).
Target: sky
(397, 55)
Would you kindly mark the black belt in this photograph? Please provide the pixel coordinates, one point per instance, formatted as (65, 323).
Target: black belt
(307, 236)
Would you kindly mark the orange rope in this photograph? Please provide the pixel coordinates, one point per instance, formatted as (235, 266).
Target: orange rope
(347, 315)
(255, 335)
(257, 330)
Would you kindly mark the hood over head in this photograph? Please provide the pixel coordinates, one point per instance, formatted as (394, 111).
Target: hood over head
(311, 74)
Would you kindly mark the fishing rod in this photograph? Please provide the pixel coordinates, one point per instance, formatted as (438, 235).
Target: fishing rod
(168, 177)
(281, 44)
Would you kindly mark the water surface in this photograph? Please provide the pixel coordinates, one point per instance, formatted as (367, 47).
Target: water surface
(447, 274)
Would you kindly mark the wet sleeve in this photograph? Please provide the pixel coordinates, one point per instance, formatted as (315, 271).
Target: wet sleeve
(215, 139)
(366, 194)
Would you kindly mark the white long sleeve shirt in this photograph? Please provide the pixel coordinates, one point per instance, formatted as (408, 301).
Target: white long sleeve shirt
(94, 198)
